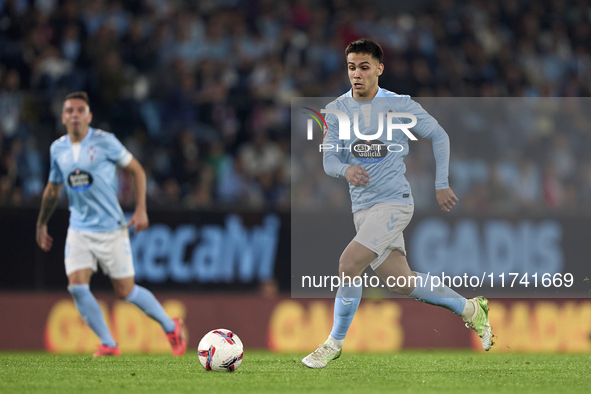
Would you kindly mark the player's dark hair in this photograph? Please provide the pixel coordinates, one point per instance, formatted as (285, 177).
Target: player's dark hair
(78, 95)
(366, 46)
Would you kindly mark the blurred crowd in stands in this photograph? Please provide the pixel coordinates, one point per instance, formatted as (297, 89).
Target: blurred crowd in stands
(199, 91)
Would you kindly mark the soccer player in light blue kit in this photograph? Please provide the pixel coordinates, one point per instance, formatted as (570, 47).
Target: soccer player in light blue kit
(85, 160)
(382, 199)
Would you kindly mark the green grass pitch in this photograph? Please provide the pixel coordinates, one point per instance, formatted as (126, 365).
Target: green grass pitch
(264, 372)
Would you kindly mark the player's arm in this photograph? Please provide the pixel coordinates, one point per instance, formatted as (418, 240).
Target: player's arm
(355, 175)
(428, 127)
(49, 201)
(445, 196)
(139, 219)
(332, 158)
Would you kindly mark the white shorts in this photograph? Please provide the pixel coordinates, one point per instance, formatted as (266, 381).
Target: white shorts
(110, 250)
(379, 228)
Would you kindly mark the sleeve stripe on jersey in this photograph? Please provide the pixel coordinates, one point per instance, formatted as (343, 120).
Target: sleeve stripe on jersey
(125, 159)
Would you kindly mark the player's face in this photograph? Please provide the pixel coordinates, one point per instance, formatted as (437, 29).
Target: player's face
(76, 116)
(364, 71)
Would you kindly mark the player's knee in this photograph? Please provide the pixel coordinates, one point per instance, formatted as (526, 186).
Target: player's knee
(347, 267)
(76, 281)
(400, 290)
(401, 285)
(122, 292)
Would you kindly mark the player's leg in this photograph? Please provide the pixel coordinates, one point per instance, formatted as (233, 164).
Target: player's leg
(117, 262)
(80, 263)
(89, 308)
(126, 289)
(377, 227)
(354, 260)
(400, 279)
(356, 257)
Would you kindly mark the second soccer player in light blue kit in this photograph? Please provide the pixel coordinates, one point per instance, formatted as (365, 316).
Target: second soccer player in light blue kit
(86, 160)
(382, 199)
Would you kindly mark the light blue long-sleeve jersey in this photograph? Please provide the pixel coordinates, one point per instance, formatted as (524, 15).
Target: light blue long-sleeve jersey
(90, 178)
(383, 159)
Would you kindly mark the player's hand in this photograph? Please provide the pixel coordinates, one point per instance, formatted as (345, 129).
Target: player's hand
(446, 199)
(139, 220)
(44, 240)
(357, 176)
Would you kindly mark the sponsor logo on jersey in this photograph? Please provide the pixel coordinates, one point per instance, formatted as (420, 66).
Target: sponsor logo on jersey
(79, 180)
(369, 151)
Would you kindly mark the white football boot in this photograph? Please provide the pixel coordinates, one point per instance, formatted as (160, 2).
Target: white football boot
(321, 356)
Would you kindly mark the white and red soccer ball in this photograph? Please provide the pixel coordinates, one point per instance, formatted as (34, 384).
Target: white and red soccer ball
(220, 350)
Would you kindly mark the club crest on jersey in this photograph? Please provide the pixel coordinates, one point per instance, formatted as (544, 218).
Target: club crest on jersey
(91, 152)
(79, 180)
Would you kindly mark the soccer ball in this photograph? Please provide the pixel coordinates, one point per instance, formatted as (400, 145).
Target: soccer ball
(220, 350)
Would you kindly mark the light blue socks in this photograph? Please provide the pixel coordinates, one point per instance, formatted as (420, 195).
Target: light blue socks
(91, 312)
(345, 306)
(145, 300)
(349, 296)
(440, 295)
